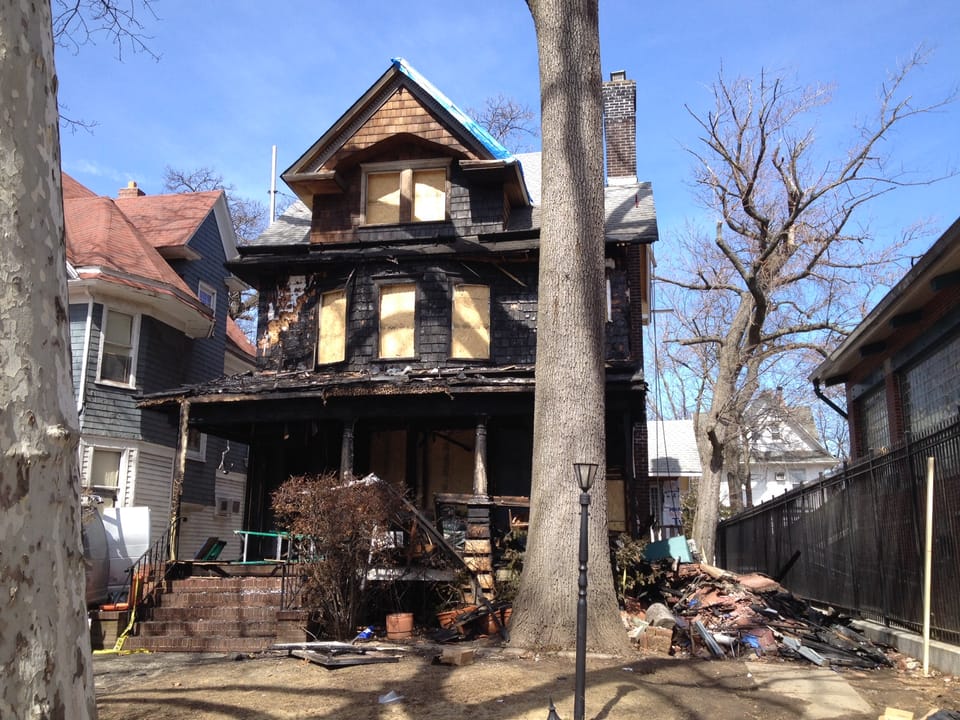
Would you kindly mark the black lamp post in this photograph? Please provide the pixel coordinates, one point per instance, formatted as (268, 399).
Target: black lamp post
(586, 472)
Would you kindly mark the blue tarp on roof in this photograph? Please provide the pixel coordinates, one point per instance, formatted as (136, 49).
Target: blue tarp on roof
(478, 131)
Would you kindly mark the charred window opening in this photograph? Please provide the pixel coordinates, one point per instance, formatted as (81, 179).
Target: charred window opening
(332, 343)
(470, 335)
(398, 314)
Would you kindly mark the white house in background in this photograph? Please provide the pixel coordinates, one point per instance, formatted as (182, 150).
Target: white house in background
(674, 463)
(785, 448)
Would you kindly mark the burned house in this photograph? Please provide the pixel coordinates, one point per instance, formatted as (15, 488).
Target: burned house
(398, 312)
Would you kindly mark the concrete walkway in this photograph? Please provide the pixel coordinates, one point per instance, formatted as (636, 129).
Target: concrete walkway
(825, 694)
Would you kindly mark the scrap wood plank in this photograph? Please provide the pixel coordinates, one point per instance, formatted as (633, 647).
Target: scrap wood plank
(343, 660)
(331, 646)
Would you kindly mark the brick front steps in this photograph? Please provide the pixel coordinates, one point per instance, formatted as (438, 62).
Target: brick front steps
(214, 614)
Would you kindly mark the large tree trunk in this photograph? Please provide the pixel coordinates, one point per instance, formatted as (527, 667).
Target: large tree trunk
(569, 405)
(44, 643)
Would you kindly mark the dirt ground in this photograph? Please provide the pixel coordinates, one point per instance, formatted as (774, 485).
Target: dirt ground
(502, 683)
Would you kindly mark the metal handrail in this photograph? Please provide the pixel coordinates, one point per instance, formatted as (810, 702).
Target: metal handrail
(147, 574)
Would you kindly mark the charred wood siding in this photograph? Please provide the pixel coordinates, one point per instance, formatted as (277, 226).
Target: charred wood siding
(289, 322)
(619, 345)
(471, 209)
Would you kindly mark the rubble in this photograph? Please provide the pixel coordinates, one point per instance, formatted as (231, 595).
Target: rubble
(718, 614)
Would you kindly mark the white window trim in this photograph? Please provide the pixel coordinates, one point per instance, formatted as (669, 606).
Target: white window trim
(209, 289)
(399, 166)
(135, 347)
(201, 454)
(120, 490)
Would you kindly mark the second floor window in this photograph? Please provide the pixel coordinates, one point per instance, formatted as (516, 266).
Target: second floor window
(333, 327)
(470, 334)
(117, 348)
(208, 296)
(398, 312)
(405, 195)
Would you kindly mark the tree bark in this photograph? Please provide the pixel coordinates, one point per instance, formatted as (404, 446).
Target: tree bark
(44, 644)
(569, 402)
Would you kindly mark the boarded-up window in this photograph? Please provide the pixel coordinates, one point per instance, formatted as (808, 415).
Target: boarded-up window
(406, 195)
(398, 305)
(117, 351)
(429, 195)
(471, 322)
(383, 198)
(333, 327)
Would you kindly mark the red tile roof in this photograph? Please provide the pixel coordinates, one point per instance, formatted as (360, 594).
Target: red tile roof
(103, 242)
(169, 220)
(239, 339)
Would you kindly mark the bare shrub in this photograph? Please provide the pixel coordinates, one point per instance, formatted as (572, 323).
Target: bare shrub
(342, 527)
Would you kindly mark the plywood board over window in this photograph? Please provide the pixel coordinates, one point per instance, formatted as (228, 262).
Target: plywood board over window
(398, 304)
(429, 194)
(383, 198)
(470, 337)
(333, 327)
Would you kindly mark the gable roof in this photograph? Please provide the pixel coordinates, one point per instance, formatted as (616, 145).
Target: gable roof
(168, 222)
(430, 116)
(104, 247)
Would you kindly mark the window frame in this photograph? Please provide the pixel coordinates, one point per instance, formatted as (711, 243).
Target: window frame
(114, 492)
(488, 327)
(381, 287)
(199, 454)
(342, 291)
(205, 287)
(134, 346)
(407, 170)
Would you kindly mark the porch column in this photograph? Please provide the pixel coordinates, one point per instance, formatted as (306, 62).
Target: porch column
(346, 449)
(179, 471)
(480, 458)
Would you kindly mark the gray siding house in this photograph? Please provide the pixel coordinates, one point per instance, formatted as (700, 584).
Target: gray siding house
(148, 293)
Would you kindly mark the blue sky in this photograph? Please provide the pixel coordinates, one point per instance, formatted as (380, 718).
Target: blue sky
(235, 78)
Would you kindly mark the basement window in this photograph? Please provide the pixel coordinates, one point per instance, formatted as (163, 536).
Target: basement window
(332, 344)
(404, 193)
(398, 305)
(470, 335)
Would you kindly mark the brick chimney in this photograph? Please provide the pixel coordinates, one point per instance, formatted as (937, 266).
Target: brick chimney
(620, 128)
(130, 191)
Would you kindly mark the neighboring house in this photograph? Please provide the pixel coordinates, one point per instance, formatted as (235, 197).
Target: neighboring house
(674, 468)
(785, 448)
(148, 310)
(901, 365)
(398, 311)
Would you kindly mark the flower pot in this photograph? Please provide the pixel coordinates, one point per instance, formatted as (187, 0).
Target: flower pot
(503, 614)
(400, 626)
(445, 618)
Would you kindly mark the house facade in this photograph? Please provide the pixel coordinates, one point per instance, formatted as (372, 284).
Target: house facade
(398, 312)
(785, 448)
(148, 310)
(901, 366)
(675, 468)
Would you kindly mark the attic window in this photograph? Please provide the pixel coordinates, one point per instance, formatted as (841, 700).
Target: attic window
(404, 193)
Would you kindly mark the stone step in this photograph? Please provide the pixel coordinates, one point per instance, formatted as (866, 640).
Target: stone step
(231, 598)
(208, 628)
(229, 584)
(239, 614)
(168, 643)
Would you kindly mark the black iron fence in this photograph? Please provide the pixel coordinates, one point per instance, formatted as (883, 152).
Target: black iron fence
(856, 538)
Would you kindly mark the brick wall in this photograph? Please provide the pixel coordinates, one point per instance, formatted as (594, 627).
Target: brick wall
(620, 127)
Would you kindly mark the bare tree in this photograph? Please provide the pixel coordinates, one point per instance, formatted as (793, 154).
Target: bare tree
(44, 642)
(77, 22)
(507, 120)
(569, 399)
(788, 272)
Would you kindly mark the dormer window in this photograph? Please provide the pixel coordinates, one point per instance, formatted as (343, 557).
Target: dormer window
(406, 192)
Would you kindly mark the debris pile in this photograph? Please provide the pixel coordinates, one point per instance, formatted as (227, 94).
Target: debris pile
(711, 612)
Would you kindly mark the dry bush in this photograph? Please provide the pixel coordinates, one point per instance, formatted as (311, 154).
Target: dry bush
(343, 527)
